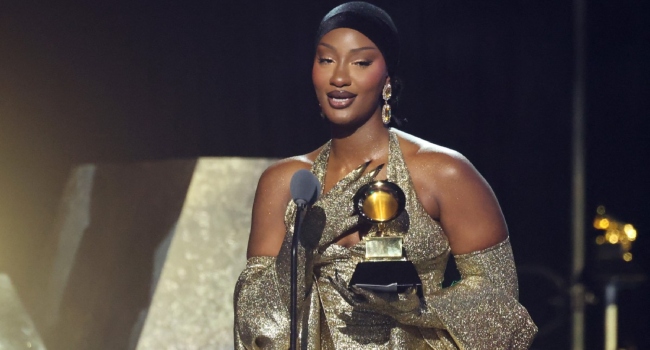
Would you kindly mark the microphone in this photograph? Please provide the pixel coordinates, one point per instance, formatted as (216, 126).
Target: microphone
(304, 187)
(305, 190)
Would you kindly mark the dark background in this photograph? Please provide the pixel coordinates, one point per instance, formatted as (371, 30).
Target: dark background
(122, 81)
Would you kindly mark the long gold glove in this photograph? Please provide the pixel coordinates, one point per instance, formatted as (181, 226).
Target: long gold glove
(261, 317)
(479, 312)
(482, 311)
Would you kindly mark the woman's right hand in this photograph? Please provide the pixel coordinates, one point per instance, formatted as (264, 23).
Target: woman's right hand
(334, 214)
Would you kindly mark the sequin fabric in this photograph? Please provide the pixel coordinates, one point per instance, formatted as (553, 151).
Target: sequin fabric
(479, 312)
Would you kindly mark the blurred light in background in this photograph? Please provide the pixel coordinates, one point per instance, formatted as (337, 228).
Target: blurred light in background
(616, 232)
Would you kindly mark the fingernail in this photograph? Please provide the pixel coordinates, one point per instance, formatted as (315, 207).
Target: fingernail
(377, 170)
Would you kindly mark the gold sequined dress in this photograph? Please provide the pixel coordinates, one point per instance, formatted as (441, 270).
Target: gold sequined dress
(479, 312)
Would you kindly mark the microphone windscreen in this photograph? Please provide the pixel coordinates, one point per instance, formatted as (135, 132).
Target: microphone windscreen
(304, 187)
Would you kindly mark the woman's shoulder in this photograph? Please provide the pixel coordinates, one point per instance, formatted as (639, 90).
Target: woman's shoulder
(282, 170)
(431, 159)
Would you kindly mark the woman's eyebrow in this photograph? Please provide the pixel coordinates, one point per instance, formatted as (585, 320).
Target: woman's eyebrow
(327, 46)
(363, 48)
(352, 50)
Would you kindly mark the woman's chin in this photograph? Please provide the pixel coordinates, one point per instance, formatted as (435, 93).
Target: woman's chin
(344, 122)
(345, 119)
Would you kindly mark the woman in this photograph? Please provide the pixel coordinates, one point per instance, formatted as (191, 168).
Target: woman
(449, 208)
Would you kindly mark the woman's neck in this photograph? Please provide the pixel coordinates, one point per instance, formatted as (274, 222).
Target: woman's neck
(366, 143)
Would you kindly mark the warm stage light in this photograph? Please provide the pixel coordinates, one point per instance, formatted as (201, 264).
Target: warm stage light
(603, 224)
(616, 232)
(630, 232)
(612, 238)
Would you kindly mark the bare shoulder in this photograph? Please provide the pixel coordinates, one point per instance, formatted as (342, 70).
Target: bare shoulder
(281, 171)
(283, 168)
(433, 161)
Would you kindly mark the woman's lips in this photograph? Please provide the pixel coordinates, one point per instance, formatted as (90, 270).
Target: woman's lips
(340, 99)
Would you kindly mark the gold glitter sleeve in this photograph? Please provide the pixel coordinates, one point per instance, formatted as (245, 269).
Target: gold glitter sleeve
(262, 293)
(261, 316)
(481, 311)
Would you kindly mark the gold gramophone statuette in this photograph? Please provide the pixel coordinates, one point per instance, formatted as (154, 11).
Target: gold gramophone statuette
(381, 202)
(385, 268)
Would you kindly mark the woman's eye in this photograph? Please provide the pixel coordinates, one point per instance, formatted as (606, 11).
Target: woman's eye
(325, 60)
(363, 63)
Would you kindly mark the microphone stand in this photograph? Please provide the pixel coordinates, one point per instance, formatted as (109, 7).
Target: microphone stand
(304, 191)
(300, 215)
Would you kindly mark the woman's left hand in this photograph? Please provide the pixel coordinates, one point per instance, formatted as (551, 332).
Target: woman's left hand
(390, 304)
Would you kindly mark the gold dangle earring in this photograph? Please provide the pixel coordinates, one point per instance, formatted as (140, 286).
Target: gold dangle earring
(322, 115)
(385, 110)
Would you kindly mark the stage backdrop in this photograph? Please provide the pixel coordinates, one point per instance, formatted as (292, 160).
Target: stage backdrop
(192, 305)
(148, 254)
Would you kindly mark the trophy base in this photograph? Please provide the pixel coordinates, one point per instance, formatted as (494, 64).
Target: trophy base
(386, 276)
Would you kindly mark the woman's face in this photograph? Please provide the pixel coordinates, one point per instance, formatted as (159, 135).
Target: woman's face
(349, 74)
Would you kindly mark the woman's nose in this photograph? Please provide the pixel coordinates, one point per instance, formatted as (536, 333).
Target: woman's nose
(340, 76)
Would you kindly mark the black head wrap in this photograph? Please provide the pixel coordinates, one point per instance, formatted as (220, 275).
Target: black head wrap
(369, 20)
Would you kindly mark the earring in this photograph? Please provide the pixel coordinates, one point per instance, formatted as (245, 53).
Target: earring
(322, 115)
(385, 110)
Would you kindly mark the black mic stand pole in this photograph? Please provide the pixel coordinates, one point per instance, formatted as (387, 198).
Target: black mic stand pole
(300, 215)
